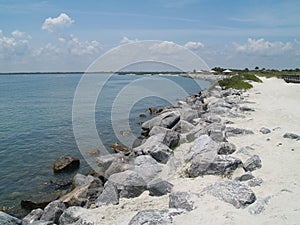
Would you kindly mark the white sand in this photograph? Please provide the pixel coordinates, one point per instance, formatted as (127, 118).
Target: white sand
(277, 106)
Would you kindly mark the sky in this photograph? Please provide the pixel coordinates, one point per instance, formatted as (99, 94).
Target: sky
(61, 35)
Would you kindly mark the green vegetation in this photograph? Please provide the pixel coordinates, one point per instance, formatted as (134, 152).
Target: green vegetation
(252, 77)
(235, 82)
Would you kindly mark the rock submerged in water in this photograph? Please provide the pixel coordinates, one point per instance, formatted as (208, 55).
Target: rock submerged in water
(40, 200)
(66, 163)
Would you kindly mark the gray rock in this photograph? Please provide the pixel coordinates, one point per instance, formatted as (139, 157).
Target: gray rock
(128, 183)
(188, 114)
(219, 110)
(80, 180)
(203, 144)
(53, 211)
(181, 200)
(159, 151)
(171, 139)
(211, 118)
(119, 165)
(109, 195)
(105, 161)
(158, 130)
(246, 109)
(196, 132)
(215, 131)
(226, 148)
(167, 120)
(232, 192)
(232, 131)
(259, 206)
(252, 163)
(66, 163)
(32, 216)
(70, 216)
(84, 195)
(183, 127)
(221, 165)
(264, 130)
(256, 181)
(6, 219)
(42, 222)
(159, 187)
(152, 217)
(244, 177)
(146, 167)
(292, 136)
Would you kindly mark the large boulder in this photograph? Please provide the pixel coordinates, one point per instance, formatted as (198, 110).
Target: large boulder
(109, 195)
(70, 216)
(119, 165)
(203, 145)
(183, 127)
(6, 219)
(66, 163)
(146, 167)
(252, 163)
(105, 161)
(159, 187)
(181, 200)
(154, 147)
(215, 131)
(84, 195)
(233, 192)
(152, 217)
(188, 114)
(171, 139)
(34, 215)
(128, 183)
(211, 118)
(53, 211)
(167, 120)
(80, 180)
(220, 165)
(158, 130)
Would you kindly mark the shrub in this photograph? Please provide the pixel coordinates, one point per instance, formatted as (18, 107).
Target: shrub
(235, 82)
(251, 77)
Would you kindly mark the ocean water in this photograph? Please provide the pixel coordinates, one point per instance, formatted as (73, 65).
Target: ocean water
(36, 126)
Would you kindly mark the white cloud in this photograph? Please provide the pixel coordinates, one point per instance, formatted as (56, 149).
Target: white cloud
(57, 23)
(13, 46)
(192, 45)
(126, 40)
(17, 34)
(165, 47)
(263, 47)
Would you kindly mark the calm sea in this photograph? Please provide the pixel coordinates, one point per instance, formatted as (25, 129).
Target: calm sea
(36, 127)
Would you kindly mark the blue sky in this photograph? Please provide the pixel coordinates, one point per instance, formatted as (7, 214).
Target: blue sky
(61, 35)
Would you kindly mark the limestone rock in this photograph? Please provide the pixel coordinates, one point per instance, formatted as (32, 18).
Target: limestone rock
(32, 216)
(256, 181)
(152, 217)
(259, 206)
(109, 195)
(232, 131)
(264, 130)
(70, 216)
(159, 187)
(244, 177)
(226, 148)
(128, 183)
(220, 165)
(53, 211)
(252, 163)
(232, 192)
(167, 120)
(6, 219)
(146, 167)
(66, 163)
(181, 200)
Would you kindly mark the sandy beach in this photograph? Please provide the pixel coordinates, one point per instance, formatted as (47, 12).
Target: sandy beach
(276, 106)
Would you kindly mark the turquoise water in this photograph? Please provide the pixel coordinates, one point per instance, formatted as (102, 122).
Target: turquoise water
(36, 127)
